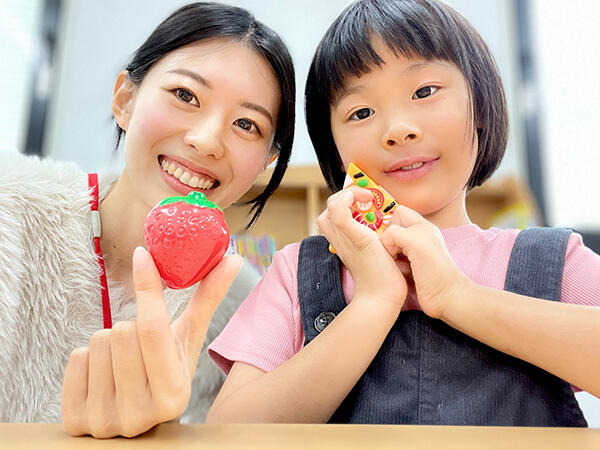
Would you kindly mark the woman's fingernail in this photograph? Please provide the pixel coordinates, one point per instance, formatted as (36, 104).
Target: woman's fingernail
(140, 258)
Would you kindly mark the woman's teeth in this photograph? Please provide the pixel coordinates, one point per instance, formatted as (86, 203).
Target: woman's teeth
(413, 166)
(193, 181)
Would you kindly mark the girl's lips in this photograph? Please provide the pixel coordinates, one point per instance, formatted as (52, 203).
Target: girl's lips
(413, 169)
(406, 163)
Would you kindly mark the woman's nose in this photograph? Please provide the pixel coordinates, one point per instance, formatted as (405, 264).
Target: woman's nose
(401, 131)
(206, 136)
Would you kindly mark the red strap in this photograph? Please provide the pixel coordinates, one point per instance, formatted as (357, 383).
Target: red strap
(93, 184)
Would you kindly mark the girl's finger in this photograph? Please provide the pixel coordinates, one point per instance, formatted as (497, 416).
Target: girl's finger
(190, 328)
(407, 217)
(75, 391)
(340, 214)
(388, 239)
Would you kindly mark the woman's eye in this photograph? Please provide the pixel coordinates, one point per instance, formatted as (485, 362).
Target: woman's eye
(184, 95)
(424, 92)
(246, 125)
(361, 114)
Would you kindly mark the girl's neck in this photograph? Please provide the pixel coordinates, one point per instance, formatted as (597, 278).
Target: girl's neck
(452, 215)
(122, 217)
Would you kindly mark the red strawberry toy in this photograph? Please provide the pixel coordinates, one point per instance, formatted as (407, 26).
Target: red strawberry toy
(187, 237)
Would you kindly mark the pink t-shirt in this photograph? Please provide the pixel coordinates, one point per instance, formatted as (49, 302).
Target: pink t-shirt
(267, 328)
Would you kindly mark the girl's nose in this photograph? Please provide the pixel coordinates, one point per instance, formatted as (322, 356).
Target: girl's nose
(206, 137)
(401, 132)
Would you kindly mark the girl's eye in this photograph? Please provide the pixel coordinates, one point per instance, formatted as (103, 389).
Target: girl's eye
(424, 92)
(247, 125)
(362, 114)
(184, 95)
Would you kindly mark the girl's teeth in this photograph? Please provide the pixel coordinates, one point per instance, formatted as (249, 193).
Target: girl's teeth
(193, 181)
(413, 166)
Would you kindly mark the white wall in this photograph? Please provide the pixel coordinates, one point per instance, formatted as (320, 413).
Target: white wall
(19, 22)
(568, 61)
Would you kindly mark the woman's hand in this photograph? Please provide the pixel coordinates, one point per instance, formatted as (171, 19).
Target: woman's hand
(139, 374)
(373, 270)
(410, 237)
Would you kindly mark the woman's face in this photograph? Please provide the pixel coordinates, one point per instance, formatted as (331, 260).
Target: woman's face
(407, 125)
(203, 119)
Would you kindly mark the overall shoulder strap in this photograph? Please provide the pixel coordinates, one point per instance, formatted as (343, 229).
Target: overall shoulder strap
(319, 286)
(536, 263)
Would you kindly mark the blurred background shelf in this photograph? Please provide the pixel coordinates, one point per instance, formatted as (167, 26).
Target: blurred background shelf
(290, 214)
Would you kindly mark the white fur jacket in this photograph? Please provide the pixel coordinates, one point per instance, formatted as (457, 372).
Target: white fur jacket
(50, 299)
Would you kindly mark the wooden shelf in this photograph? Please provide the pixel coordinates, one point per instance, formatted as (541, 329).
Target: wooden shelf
(291, 212)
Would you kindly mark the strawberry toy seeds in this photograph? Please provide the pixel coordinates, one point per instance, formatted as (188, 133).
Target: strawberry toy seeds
(187, 237)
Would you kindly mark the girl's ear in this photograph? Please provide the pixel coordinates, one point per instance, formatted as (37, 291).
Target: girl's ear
(123, 99)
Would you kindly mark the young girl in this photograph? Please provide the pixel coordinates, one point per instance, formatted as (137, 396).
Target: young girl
(206, 103)
(436, 321)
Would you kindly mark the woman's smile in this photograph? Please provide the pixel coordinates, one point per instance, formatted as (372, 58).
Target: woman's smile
(185, 179)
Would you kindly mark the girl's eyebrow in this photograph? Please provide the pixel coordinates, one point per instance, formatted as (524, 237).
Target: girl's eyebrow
(344, 93)
(415, 67)
(203, 81)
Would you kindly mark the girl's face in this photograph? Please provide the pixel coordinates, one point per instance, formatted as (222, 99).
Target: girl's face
(203, 119)
(407, 125)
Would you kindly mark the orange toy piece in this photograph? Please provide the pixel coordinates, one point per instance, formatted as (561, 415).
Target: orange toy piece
(376, 213)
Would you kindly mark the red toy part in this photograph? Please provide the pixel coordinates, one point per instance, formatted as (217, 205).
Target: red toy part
(187, 237)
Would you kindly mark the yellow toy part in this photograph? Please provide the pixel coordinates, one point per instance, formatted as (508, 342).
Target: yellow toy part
(376, 213)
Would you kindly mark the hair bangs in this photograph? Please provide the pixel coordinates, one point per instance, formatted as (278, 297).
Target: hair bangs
(408, 29)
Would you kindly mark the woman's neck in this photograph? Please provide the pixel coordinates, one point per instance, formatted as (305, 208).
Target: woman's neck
(122, 216)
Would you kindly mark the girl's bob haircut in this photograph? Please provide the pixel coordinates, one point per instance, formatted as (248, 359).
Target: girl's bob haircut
(207, 20)
(422, 28)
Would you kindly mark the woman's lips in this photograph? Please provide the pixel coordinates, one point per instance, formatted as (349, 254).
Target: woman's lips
(183, 179)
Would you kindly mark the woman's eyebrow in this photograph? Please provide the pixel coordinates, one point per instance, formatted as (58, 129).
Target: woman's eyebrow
(193, 75)
(203, 81)
(259, 109)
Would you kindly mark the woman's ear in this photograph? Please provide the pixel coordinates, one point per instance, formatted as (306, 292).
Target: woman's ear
(123, 99)
(272, 158)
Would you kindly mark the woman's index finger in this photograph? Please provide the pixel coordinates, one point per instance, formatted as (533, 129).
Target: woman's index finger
(153, 324)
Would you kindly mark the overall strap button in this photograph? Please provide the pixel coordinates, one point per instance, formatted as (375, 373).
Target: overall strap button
(323, 320)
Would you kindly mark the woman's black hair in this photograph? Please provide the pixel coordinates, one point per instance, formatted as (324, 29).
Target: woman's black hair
(204, 20)
(425, 28)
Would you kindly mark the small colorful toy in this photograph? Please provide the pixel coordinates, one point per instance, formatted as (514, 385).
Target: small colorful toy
(187, 237)
(376, 213)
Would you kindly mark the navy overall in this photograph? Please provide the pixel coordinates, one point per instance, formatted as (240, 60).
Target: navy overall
(427, 372)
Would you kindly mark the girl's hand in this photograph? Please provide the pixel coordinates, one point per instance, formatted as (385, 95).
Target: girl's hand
(373, 270)
(139, 374)
(412, 238)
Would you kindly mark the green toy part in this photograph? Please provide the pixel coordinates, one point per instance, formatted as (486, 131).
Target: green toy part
(195, 198)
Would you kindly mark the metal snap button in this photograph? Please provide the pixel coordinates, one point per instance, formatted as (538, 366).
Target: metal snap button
(323, 320)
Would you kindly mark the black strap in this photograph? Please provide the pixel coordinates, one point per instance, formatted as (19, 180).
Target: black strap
(319, 288)
(536, 263)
